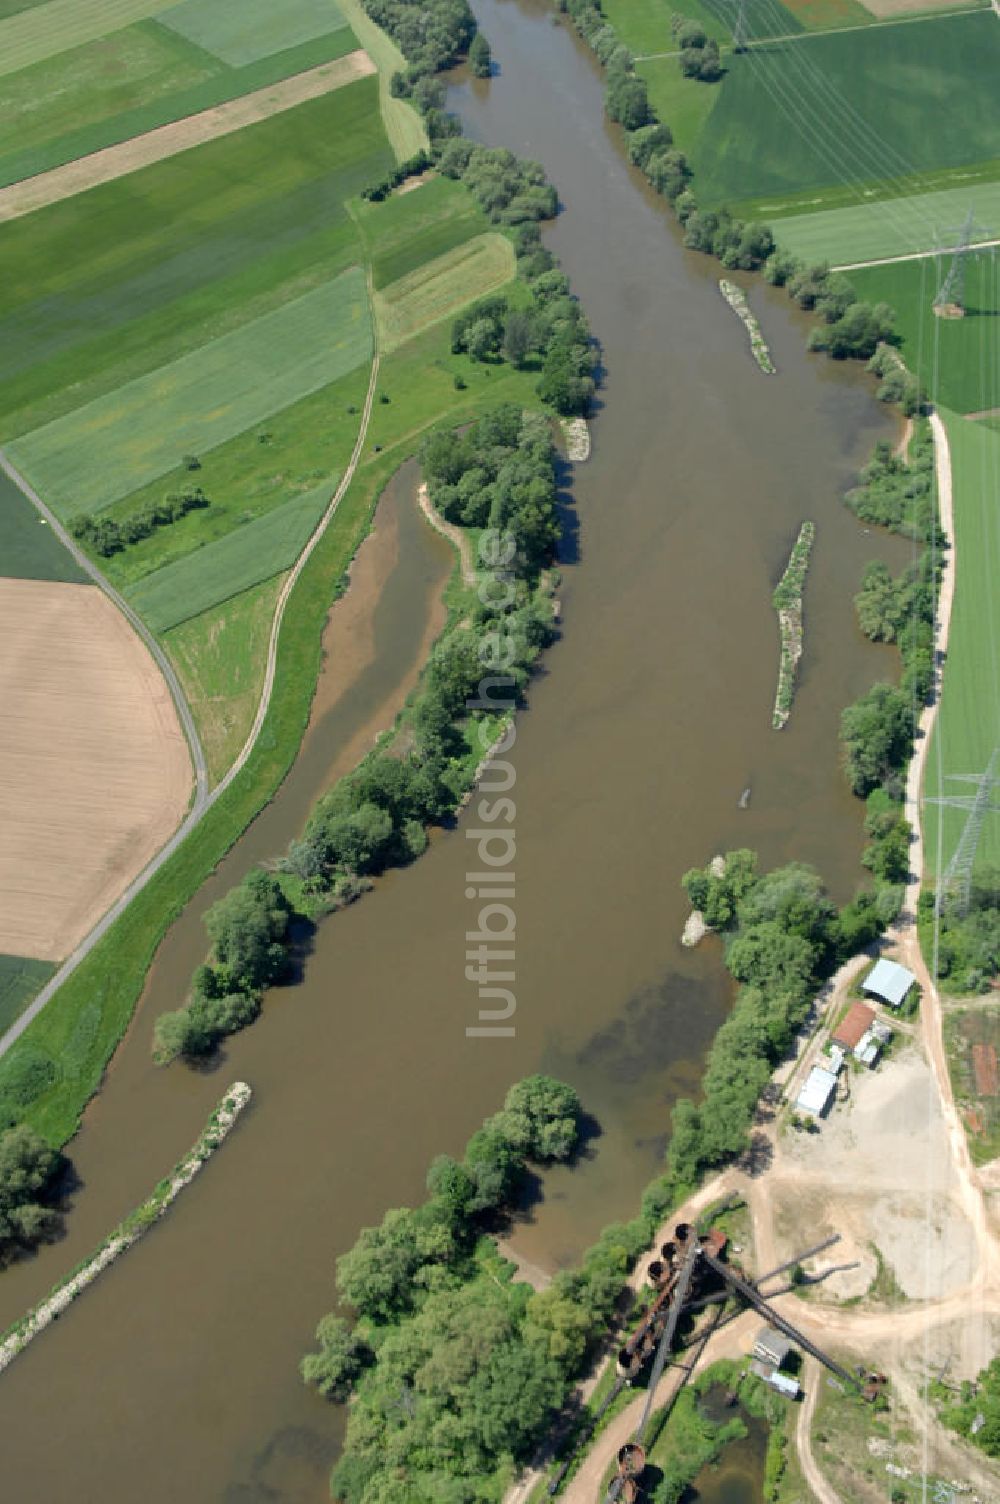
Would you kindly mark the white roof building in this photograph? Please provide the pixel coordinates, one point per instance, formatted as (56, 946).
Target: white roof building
(814, 1098)
(889, 981)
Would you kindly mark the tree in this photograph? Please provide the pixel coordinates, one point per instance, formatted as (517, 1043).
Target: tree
(540, 1117)
(480, 58)
(519, 336)
(626, 100)
(877, 737)
(27, 1168)
(341, 1357)
(375, 1276)
(247, 927)
(481, 340)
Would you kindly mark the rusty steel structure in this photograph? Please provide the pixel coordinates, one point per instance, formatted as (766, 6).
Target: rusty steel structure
(685, 1266)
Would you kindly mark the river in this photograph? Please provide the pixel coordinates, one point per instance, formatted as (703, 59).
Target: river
(175, 1376)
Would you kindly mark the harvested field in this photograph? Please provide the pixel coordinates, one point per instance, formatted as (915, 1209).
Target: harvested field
(96, 772)
(181, 135)
(440, 288)
(117, 443)
(886, 9)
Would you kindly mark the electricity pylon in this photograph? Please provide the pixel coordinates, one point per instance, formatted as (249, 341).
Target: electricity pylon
(951, 293)
(958, 873)
(740, 35)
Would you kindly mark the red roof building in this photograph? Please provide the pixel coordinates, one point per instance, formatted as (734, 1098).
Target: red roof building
(856, 1023)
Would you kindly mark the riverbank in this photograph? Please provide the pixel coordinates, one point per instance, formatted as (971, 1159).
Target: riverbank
(128, 1232)
(788, 604)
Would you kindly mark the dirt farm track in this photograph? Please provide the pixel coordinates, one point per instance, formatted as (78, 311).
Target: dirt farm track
(95, 772)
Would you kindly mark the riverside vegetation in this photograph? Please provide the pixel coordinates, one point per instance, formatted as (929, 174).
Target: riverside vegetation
(498, 476)
(736, 298)
(501, 476)
(787, 600)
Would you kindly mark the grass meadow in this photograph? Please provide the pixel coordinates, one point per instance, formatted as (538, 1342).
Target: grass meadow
(956, 358)
(857, 106)
(968, 724)
(220, 657)
(408, 229)
(892, 226)
(107, 448)
(29, 549)
(438, 289)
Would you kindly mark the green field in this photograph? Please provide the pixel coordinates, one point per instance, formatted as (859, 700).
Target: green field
(683, 103)
(245, 557)
(111, 446)
(125, 84)
(262, 468)
(404, 128)
(644, 25)
(20, 980)
(968, 724)
(440, 288)
(889, 227)
(245, 33)
(116, 282)
(408, 229)
(29, 550)
(856, 106)
(956, 358)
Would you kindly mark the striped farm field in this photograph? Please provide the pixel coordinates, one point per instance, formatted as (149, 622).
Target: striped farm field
(888, 227)
(253, 29)
(111, 284)
(33, 35)
(124, 85)
(968, 723)
(109, 447)
(438, 289)
(245, 557)
(407, 229)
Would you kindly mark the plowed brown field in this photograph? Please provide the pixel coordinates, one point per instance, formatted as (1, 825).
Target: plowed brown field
(94, 769)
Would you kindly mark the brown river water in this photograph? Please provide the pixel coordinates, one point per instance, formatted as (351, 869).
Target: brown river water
(175, 1376)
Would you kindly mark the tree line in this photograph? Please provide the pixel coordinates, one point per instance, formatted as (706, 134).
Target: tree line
(876, 731)
(498, 474)
(109, 535)
(542, 324)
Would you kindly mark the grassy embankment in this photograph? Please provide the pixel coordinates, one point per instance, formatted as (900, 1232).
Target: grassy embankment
(78, 81)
